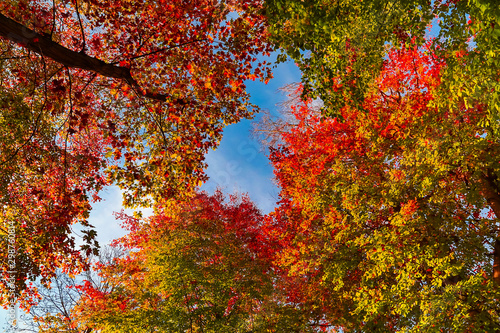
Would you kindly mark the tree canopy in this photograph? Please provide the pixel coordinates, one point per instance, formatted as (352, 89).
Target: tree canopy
(391, 214)
(390, 195)
(347, 39)
(127, 93)
(386, 159)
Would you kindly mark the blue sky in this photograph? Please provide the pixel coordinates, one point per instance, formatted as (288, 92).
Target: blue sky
(238, 164)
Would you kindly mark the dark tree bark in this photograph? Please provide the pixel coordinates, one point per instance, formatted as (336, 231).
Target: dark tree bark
(490, 191)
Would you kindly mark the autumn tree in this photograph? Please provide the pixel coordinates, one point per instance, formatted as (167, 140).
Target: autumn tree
(347, 38)
(390, 199)
(195, 266)
(96, 93)
(388, 219)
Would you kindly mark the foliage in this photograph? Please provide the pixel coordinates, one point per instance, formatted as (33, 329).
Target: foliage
(388, 221)
(345, 40)
(132, 93)
(390, 196)
(390, 200)
(48, 184)
(196, 266)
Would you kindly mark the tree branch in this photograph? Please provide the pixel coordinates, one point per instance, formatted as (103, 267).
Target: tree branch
(45, 46)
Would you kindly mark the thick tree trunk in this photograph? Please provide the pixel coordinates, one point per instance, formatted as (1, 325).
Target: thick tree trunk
(44, 46)
(490, 191)
(496, 262)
